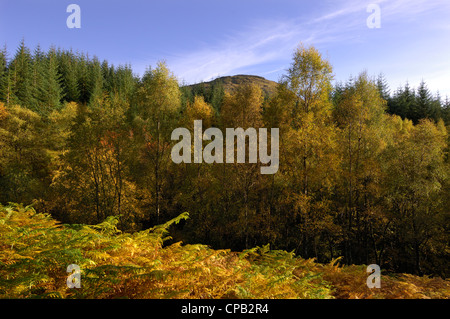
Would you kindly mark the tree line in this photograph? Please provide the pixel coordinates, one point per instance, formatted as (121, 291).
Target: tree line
(363, 174)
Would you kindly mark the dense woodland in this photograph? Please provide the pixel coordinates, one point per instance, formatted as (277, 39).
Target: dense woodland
(364, 172)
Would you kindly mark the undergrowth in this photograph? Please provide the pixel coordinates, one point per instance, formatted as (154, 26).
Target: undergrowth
(35, 251)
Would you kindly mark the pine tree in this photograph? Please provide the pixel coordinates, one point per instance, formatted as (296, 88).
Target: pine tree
(68, 70)
(217, 96)
(423, 104)
(83, 78)
(3, 74)
(436, 107)
(108, 76)
(54, 92)
(96, 82)
(46, 82)
(337, 92)
(125, 83)
(21, 79)
(446, 111)
(383, 87)
(403, 102)
(39, 77)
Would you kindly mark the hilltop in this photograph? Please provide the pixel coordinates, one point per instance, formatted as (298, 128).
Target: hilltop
(231, 83)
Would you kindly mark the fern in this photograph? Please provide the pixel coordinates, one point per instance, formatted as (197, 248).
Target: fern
(35, 251)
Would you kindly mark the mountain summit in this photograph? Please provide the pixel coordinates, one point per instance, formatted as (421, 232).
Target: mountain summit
(231, 83)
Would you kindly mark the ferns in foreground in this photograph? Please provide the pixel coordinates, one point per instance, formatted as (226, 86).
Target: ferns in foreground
(35, 251)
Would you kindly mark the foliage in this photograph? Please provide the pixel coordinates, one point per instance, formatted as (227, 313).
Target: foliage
(363, 173)
(36, 250)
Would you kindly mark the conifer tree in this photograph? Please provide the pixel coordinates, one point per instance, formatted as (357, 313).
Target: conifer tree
(3, 74)
(423, 106)
(383, 87)
(50, 89)
(403, 102)
(39, 78)
(217, 96)
(125, 83)
(68, 71)
(84, 81)
(446, 110)
(96, 82)
(21, 78)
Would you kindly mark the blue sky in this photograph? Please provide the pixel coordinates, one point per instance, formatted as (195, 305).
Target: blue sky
(203, 39)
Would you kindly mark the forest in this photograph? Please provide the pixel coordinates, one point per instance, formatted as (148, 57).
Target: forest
(363, 172)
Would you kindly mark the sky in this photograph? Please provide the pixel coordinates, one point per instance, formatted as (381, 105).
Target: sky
(204, 39)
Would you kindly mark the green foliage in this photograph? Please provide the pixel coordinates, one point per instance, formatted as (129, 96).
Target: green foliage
(43, 81)
(416, 104)
(36, 250)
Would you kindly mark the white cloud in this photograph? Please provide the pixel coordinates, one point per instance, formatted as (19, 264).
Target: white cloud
(263, 42)
(259, 44)
(256, 45)
(271, 43)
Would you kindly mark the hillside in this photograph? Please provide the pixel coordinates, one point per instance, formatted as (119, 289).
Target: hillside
(230, 84)
(35, 250)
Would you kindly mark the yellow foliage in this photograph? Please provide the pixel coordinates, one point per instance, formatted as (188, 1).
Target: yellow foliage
(35, 251)
(199, 110)
(3, 112)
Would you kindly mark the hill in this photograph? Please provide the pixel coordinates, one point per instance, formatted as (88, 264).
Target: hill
(231, 83)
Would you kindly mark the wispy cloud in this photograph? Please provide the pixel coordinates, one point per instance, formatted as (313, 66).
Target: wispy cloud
(257, 45)
(401, 9)
(262, 42)
(270, 42)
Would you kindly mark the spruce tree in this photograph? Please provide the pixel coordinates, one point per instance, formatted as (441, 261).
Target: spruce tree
(217, 96)
(427, 105)
(39, 70)
(53, 94)
(96, 82)
(436, 107)
(108, 76)
(424, 102)
(383, 87)
(3, 74)
(125, 83)
(337, 92)
(21, 78)
(446, 110)
(83, 78)
(69, 80)
(403, 102)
